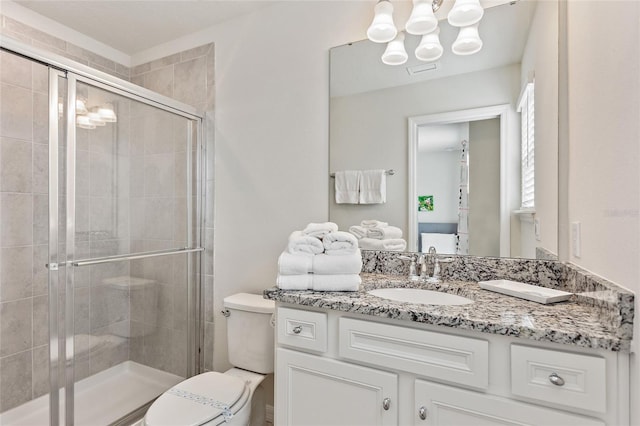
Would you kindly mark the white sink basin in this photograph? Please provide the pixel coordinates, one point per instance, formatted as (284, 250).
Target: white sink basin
(420, 296)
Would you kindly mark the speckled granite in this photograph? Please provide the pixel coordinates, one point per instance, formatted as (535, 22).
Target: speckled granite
(599, 315)
(544, 254)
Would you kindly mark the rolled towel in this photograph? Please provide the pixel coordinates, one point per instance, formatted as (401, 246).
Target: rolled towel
(319, 230)
(358, 231)
(294, 264)
(295, 282)
(324, 264)
(344, 282)
(304, 244)
(384, 233)
(372, 223)
(396, 244)
(339, 243)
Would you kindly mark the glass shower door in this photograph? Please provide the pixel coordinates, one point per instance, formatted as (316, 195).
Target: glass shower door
(131, 285)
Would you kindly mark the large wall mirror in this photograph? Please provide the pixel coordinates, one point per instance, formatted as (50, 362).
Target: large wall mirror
(416, 118)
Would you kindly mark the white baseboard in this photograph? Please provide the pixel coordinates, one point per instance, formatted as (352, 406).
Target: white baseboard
(269, 414)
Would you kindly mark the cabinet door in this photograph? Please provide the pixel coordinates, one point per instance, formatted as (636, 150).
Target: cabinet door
(312, 390)
(449, 406)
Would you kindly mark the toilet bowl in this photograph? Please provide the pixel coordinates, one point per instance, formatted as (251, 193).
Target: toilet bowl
(234, 397)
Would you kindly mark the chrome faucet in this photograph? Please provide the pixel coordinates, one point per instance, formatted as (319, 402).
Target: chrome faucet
(435, 268)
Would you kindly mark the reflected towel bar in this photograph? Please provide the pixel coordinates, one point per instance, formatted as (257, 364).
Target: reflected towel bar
(389, 172)
(124, 257)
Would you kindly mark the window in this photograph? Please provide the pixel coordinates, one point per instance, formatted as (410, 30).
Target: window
(527, 111)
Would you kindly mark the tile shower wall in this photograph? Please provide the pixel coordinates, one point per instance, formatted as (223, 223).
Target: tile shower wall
(188, 76)
(23, 230)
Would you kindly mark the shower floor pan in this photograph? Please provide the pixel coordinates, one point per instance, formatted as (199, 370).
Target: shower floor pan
(100, 399)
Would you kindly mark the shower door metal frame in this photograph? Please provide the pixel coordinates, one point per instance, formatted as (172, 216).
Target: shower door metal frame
(60, 67)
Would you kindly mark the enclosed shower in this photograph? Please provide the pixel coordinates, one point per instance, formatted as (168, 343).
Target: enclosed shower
(100, 243)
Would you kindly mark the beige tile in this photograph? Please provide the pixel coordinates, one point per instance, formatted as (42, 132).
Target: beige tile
(40, 219)
(108, 305)
(40, 168)
(15, 380)
(211, 67)
(41, 371)
(40, 118)
(83, 173)
(159, 175)
(180, 220)
(123, 70)
(208, 298)
(140, 69)
(15, 70)
(190, 81)
(15, 326)
(160, 81)
(163, 62)
(195, 52)
(158, 219)
(40, 320)
(101, 218)
(16, 112)
(16, 158)
(179, 354)
(102, 169)
(180, 174)
(81, 311)
(159, 133)
(16, 211)
(16, 279)
(40, 78)
(207, 351)
(40, 272)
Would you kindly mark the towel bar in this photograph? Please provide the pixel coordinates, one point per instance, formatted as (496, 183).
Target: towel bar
(389, 172)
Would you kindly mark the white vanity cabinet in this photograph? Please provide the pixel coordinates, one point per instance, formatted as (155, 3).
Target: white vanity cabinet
(338, 368)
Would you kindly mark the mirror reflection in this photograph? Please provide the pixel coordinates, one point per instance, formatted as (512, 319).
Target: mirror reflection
(498, 197)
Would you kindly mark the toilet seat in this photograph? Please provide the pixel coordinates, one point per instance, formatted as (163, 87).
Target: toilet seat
(209, 398)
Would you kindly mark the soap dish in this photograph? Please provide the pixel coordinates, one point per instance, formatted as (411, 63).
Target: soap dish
(525, 291)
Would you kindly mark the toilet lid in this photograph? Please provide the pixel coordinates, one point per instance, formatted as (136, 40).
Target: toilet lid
(198, 400)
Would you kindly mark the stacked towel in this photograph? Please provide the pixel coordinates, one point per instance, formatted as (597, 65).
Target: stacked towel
(396, 244)
(329, 263)
(374, 234)
(304, 244)
(319, 230)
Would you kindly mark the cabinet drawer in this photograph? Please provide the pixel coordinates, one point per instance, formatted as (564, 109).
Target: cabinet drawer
(446, 357)
(302, 329)
(569, 379)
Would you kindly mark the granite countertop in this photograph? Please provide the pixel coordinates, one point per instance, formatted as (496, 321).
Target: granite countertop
(570, 322)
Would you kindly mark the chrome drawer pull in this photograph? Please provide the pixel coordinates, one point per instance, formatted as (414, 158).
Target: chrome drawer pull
(422, 413)
(386, 403)
(297, 329)
(556, 380)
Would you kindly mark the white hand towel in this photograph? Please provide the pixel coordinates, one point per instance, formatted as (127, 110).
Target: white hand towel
(385, 233)
(396, 244)
(348, 282)
(324, 264)
(295, 282)
(373, 187)
(372, 223)
(347, 186)
(294, 264)
(319, 230)
(339, 243)
(358, 231)
(304, 244)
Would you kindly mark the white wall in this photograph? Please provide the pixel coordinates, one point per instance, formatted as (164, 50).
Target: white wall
(604, 136)
(438, 174)
(272, 90)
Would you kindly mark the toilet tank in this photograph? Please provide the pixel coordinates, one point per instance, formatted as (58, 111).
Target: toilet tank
(250, 339)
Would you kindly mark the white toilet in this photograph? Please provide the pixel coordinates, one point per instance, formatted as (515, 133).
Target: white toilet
(232, 398)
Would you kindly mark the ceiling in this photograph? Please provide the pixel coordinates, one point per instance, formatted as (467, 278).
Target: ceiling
(133, 26)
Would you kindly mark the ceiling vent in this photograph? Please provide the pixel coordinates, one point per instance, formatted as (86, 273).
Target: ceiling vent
(420, 69)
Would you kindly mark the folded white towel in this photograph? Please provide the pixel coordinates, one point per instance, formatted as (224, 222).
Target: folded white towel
(347, 186)
(384, 233)
(294, 264)
(295, 282)
(304, 244)
(373, 187)
(396, 244)
(348, 282)
(358, 231)
(324, 264)
(372, 223)
(319, 230)
(339, 243)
